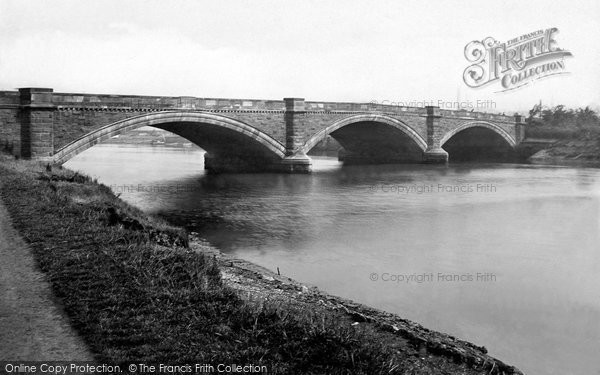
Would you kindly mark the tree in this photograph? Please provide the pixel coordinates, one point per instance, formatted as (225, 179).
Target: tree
(559, 122)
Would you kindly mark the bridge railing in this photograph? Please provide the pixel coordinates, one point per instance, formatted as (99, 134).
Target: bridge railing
(461, 113)
(361, 107)
(164, 103)
(396, 109)
(9, 98)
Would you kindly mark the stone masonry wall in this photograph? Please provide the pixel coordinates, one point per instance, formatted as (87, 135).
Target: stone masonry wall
(10, 128)
(74, 115)
(72, 123)
(162, 103)
(317, 121)
(10, 135)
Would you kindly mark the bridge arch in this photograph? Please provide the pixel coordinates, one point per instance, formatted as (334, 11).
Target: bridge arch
(376, 118)
(481, 124)
(479, 141)
(164, 120)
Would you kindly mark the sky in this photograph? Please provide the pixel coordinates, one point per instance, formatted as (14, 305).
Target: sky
(402, 52)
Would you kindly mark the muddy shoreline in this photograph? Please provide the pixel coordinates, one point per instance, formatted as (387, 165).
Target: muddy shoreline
(257, 281)
(570, 153)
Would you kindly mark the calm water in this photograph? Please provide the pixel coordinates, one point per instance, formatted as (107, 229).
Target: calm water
(512, 264)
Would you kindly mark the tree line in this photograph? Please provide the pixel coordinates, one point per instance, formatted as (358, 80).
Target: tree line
(560, 122)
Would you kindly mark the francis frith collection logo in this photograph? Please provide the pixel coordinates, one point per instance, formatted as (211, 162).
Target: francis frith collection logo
(515, 63)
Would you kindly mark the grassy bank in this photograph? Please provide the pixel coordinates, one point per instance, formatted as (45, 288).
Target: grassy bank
(136, 293)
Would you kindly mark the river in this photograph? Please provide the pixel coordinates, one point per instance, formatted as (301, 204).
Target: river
(502, 255)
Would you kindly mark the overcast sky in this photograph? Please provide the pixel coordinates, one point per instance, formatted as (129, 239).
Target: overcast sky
(396, 51)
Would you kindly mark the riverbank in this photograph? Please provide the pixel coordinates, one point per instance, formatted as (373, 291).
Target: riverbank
(569, 152)
(135, 291)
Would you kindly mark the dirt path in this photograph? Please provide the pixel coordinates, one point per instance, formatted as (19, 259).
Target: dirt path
(32, 326)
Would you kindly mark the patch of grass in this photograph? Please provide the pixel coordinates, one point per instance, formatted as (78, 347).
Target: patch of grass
(133, 299)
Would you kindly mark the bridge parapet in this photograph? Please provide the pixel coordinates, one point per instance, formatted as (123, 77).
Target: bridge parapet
(362, 107)
(137, 102)
(404, 110)
(163, 103)
(395, 109)
(476, 115)
(9, 98)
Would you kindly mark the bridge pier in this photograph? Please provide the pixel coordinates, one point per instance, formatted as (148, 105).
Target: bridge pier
(519, 128)
(434, 154)
(295, 160)
(298, 163)
(36, 115)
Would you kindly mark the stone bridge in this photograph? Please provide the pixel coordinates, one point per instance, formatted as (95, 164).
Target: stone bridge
(250, 135)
